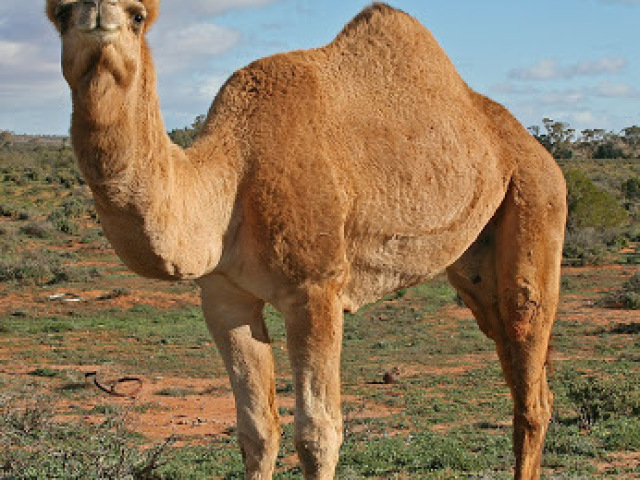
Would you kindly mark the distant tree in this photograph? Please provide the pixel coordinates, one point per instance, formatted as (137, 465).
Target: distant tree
(631, 135)
(557, 138)
(592, 135)
(562, 142)
(187, 135)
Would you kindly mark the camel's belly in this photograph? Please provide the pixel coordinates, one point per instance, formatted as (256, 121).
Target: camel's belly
(398, 238)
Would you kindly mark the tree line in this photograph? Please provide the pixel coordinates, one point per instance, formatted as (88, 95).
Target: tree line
(564, 143)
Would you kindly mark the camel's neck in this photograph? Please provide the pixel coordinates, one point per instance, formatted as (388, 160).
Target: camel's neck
(164, 212)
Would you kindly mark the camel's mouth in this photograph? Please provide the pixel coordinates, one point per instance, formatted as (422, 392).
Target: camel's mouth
(99, 29)
(101, 34)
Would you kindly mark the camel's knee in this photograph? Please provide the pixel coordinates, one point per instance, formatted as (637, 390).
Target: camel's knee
(520, 309)
(533, 422)
(318, 444)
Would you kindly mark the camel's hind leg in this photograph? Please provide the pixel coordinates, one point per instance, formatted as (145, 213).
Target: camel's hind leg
(236, 323)
(510, 279)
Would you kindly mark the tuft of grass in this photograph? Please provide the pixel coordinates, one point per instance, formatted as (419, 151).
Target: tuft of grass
(37, 230)
(176, 392)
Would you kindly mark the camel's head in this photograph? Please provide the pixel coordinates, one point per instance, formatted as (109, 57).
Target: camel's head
(94, 29)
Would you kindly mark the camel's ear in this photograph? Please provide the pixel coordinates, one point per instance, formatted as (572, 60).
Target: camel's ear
(153, 8)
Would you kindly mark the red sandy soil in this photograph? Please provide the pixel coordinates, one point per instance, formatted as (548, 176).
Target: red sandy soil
(208, 407)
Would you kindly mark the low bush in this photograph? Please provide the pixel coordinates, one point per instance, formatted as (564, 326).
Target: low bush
(592, 246)
(37, 229)
(42, 268)
(598, 399)
(597, 225)
(63, 223)
(627, 297)
(590, 206)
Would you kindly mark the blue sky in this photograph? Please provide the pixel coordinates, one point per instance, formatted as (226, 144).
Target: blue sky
(575, 61)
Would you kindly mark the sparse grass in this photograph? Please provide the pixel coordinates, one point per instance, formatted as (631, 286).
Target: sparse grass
(441, 424)
(35, 447)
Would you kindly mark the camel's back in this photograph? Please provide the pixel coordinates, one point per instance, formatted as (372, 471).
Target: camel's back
(371, 149)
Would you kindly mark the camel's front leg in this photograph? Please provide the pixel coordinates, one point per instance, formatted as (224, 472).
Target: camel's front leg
(236, 323)
(314, 338)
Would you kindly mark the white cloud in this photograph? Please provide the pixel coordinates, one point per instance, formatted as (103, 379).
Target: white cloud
(568, 98)
(184, 98)
(550, 69)
(545, 69)
(21, 57)
(197, 8)
(616, 90)
(584, 117)
(513, 89)
(603, 65)
(191, 46)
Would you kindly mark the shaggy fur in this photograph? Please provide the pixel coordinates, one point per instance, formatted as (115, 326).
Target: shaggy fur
(321, 181)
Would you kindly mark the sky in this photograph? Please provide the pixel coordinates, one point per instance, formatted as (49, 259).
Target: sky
(575, 61)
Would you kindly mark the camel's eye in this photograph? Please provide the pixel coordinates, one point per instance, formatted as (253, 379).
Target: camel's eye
(138, 18)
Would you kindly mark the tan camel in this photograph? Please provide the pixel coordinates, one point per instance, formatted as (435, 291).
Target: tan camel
(321, 181)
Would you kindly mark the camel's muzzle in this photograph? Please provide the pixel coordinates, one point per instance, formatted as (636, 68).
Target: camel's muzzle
(96, 15)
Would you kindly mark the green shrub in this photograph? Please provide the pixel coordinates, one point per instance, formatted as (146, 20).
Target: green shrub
(591, 246)
(30, 268)
(77, 206)
(42, 268)
(29, 420)
(61, 221)
(590, 206)
(45, 372)
(37, 229)
(609, 150)
(631, 188)
(627, 297)
(599, 399)
(8, 241)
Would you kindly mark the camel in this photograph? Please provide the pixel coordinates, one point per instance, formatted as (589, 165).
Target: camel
(321, 181)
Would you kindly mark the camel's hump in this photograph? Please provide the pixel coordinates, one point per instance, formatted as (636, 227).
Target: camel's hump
(377, 9)
(379, 19)
(385, 35)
